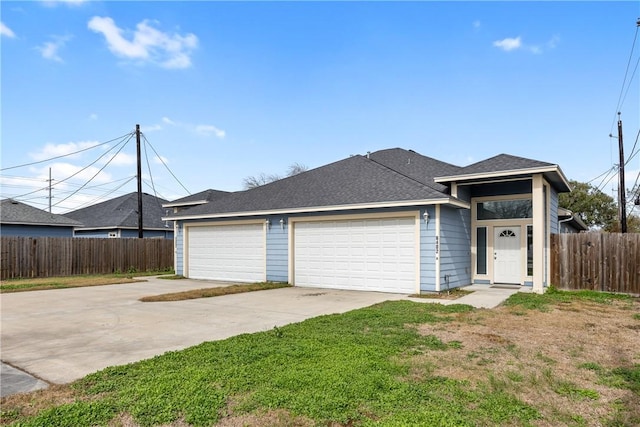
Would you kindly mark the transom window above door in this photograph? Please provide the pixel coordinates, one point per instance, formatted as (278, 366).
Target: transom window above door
(505, 209)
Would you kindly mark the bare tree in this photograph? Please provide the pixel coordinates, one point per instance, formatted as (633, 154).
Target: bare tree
(254, 181)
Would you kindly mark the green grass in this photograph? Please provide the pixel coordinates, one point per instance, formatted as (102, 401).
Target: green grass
(554, 296)
(46, 283)
(215, 292)
(351, 368)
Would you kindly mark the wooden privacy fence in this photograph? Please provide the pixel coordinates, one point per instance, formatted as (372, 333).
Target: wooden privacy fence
(65, 256)
(598, 261)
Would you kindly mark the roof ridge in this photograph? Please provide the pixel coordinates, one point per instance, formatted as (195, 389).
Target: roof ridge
(413, 180)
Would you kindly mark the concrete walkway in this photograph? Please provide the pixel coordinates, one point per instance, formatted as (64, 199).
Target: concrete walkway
(62, 335)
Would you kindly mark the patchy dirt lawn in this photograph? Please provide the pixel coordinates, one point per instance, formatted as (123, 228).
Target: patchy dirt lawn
(577, 363)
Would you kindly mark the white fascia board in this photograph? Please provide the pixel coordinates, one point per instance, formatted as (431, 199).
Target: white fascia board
(408, 203)
(498, 174)
(178, 204)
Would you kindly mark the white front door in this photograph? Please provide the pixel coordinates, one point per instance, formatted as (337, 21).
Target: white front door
(506, 255)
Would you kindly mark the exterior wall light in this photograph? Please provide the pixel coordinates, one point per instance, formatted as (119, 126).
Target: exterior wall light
(425, 215)
(268, 222)
(282, 223)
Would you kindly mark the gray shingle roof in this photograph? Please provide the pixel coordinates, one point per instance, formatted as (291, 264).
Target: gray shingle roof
(122, 212)
(14, 212)
(499, 163)
(416, 166)
(352, 181)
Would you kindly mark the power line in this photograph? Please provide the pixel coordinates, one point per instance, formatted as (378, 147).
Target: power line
(165, 165)
(96, 174)
(624, 81)
(86, 167)
(65, 155)
(632, 155)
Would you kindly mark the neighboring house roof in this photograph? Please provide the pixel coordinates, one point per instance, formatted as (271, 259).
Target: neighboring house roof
(571, 219)
(507, 165)
(17, 213)
(122, 212)
(197, 198)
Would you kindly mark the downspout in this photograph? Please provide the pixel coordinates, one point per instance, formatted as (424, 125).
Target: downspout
(560, 221)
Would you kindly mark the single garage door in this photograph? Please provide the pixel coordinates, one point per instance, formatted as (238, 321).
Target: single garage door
(369, 255)
(227, 252)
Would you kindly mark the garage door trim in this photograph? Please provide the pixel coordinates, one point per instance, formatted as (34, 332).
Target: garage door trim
(388, 215)
(188, 227)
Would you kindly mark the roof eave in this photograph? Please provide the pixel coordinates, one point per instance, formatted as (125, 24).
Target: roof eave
(405, 203)
(38, 223)
(178, 204)
(508, 173)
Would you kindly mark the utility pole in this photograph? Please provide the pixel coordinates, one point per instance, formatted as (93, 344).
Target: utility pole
(622, 197)
(140, 233)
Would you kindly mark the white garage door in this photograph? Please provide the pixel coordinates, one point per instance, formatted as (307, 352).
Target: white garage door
(227, 252)
(370, 255)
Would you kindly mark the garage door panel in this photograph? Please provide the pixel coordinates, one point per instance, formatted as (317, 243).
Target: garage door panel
(377, 254)
(227, 252)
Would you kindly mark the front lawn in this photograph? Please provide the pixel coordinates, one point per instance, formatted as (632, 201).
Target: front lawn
(397, 363)
(46, 283)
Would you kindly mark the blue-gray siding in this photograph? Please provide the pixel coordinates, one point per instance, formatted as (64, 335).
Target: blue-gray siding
(278, 250)
(455, 247)
(428, 251)
(35, 230)
(179, 245)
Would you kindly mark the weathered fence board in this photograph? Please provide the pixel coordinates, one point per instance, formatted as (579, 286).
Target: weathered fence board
(61, 256)
(598, 261)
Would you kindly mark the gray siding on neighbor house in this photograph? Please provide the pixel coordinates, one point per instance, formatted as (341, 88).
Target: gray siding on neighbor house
(455, 247)
(502, 188)
(554, 212)
(278, 250)
(125, 233)
(428, 251)
(35, 230)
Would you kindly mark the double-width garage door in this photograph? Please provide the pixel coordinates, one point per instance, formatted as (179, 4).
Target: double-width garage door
(371, 254)
(227, 252)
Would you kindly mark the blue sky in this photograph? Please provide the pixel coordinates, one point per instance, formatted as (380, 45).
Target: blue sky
(227, 90)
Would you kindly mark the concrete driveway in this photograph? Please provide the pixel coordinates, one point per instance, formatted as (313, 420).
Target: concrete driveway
(62, 335)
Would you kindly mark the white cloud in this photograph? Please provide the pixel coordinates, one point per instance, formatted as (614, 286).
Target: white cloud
(508, 44)
(120, 159)
(198, 129)
(6, 31)
(93, 116)
(56, 150)
(147, 44)
(160, 160)
(208, 130)
(49, 50)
